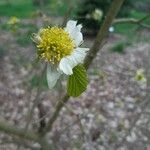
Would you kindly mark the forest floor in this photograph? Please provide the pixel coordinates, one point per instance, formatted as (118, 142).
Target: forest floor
(112, 114)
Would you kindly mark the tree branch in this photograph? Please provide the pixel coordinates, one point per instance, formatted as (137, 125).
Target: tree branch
(4, 127)
(58, 108)
(41, 114)
(36, 99)
(114, 9)
(133, 21)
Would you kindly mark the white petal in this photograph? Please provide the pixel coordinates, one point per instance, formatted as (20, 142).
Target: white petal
(74, 32)
(78, 55)
(52, 76)
(71, 24)
(65, 66)
(79, 27)
(68, 63)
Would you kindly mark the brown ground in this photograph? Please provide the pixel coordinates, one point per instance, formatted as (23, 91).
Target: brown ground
(113, 113)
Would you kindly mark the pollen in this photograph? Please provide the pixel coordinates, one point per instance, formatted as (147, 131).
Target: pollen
(54, 44)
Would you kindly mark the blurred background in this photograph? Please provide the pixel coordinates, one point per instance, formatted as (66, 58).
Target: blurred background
(114, 112)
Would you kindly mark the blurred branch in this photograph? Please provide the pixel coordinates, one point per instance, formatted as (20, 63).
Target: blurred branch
(98, 43)
(23, 144)
(36, 103)
(133, 21)
(114, 9)
(42, 113)
(36, 100)
(58, 108)
(4, 127)
(28, 135)
(144, 18)
(78, 120)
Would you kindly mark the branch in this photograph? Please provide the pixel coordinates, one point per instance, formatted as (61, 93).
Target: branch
(28, 135)
(58, 108)
(42, 113)
(114, 8)
(4, 127)
(36, 99)
(144, 18)
(133, 21)
(18, 142)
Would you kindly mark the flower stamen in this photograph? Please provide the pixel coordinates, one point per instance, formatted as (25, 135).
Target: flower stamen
(54, 44)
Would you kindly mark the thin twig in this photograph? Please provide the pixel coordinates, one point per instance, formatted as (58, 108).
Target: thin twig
(77, 121)
(42, 122)
(36, 100)
(18, 142)
(59, 106)
(4, 127)
(41, 118)
(114, 9)
(144, 18)
(133, 21)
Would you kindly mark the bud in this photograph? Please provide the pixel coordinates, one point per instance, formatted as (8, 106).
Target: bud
(140, 76)
(97, 14)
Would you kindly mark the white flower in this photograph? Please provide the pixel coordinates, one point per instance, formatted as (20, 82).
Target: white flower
(60, 48)
(97, 14)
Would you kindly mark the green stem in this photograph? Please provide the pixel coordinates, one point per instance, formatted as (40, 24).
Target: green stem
(59, 106)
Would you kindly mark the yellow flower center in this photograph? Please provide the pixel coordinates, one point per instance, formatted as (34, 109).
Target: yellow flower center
(54, 44)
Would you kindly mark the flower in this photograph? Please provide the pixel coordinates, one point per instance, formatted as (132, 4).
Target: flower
(140, 76)
(97, 14)
(13, 20)
(60, 48)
